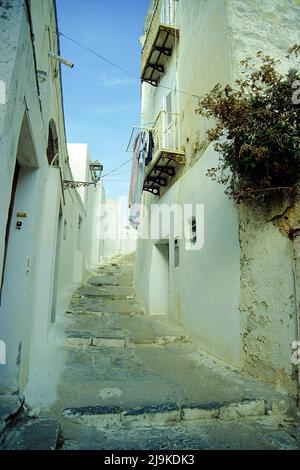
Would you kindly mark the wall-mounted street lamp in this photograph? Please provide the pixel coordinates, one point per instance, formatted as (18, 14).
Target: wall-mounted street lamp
(95, 168)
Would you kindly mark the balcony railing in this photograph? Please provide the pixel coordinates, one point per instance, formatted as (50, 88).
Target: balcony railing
(166, 132)
(167, 153)
(160, 35)
(168, 12)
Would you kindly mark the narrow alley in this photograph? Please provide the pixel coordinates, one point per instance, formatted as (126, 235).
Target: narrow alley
(132, 381)
(149, 227)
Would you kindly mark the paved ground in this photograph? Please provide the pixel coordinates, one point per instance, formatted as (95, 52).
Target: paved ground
(136, 382)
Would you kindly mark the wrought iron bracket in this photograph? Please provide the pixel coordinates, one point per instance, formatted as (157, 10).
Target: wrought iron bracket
(152, 189)
(160, 180)
(77, 184)
(179, 159)
(167, 170)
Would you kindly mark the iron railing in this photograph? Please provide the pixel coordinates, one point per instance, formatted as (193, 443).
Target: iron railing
(166, 133)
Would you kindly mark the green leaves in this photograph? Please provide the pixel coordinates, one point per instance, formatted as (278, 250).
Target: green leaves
(257, 131)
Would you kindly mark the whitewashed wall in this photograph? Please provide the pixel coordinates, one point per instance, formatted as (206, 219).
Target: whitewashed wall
(236, 295)
(35, 278)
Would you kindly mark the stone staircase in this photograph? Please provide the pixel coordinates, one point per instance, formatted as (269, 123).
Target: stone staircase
(133, 381)
(143, 375)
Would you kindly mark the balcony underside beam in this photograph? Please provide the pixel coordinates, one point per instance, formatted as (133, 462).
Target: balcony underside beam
(156, 51)
(164, 50)
(159, 68)
(162, 170)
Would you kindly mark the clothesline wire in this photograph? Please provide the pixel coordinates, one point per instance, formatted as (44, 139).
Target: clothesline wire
(100, 56)
(120, 173)
(116, 169)
(112, 168)
(113, 181)
(113, 172)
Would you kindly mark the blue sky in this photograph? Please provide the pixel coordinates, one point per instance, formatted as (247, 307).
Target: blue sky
(102, 103)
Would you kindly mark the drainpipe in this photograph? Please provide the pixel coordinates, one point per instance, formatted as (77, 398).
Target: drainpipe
(293, 234)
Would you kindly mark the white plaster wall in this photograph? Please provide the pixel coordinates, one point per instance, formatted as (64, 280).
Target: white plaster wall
(204, 289)
(16, 70)
(128, 239)
(267, 287)
(111, 227)
(78, 159)
(103, 232)
(45, 254)
(199, 61)
(91, 196)
(19, 262)
(235, 296)
(25, 310)
(267, 302)
(267, 25)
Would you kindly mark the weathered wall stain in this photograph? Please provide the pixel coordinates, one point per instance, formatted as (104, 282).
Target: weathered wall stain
(267, 298)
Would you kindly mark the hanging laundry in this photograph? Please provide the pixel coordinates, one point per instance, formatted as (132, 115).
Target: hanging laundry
(150, 148)
(134, 170)
(137, 178)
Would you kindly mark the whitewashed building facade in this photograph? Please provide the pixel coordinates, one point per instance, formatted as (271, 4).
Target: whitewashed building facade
(235, 295)
(47, 237)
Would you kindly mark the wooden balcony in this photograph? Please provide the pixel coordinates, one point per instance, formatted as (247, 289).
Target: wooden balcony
(159, 41)
(167, 154)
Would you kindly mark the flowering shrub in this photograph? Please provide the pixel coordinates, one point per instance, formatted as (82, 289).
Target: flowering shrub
(257, 131)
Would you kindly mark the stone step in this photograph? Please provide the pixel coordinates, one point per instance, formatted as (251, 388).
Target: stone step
(84, 339)
(111, 280)
(108, 292)
(261, 433)
(95, 341)
(164, 414)
(11, 408)
(115, 270)
(105, 306)
(35, 434)
(104, 281)
(94, 314)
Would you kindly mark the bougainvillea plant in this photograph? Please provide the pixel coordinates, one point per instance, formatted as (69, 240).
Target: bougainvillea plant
(257, 130)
